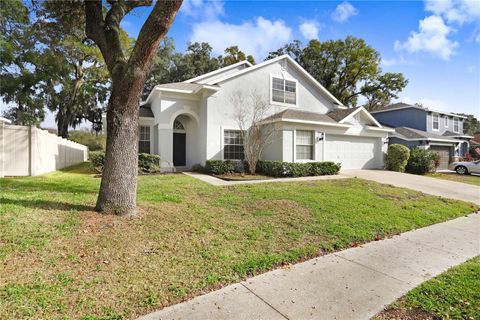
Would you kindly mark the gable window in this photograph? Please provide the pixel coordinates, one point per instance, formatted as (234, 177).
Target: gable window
(436, 122)
(446, 121)
(144, 139)
(304, 145)
(455, 125)
(232, 145)
(284, 91)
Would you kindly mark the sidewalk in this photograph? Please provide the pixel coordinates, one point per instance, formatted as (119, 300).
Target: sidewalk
(219, 182)
(355, 283)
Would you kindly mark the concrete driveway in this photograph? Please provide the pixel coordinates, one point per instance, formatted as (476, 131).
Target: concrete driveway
(433, 186)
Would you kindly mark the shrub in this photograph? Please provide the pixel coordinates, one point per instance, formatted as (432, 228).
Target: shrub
(148, 163)
(93, 141)
(198, 168)
(324, 168)
(421, 161)
(219, 166)
(97, 158)
(290, 169)
(397, 157)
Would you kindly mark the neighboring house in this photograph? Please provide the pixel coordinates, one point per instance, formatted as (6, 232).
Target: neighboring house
(193, 121)
(417, 126)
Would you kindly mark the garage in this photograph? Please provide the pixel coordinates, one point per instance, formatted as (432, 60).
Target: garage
(354, 152)
(444, 153)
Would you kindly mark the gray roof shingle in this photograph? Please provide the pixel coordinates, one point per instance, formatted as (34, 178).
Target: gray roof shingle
(340, 114)
(410, 133)
(300, 115)
(145, 111)
(180, 86)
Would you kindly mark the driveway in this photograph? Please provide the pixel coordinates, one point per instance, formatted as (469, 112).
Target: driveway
(433, 186)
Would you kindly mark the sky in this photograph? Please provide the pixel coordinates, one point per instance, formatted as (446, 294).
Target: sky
(435, 44)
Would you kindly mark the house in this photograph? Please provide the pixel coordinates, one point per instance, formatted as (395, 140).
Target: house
(416, 126)
(190, 122)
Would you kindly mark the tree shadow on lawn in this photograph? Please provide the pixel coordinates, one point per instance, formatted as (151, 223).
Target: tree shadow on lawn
(46, 204)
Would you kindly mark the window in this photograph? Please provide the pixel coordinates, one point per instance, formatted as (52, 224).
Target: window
(446, 121)
(284, 91)
(455, 125)
(435, 119)
(144, 140)
(177, 125)
(232, 145)
(304, 145)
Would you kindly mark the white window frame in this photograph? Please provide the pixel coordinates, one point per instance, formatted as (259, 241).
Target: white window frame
(223, 141)
(285, 104)
(457, 121)
(312, 159)
(445, 122)
(149, 138)
(433, 121)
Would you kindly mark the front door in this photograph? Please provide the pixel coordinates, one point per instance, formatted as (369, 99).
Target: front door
(179, 151)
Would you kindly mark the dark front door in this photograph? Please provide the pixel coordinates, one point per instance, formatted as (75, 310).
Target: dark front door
(179, 153)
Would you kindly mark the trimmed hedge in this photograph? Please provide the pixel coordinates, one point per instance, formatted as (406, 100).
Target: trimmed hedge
(291, 169)
(421, 161)
(225, 166)
(397, 157)
(147, 163)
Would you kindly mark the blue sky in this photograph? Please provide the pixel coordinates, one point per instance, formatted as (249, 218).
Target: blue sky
(435, 44)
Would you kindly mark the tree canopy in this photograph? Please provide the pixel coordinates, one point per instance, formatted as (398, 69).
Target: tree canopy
(348, 68)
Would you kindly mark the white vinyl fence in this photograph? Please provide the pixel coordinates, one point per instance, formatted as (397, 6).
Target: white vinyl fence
(29, 151)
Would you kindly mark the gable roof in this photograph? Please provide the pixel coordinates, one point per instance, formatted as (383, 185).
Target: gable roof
(340, 114)
(274, 60)
(292, 114)
(145, 111)
(406, 133)
(218, 71)
(402, 105)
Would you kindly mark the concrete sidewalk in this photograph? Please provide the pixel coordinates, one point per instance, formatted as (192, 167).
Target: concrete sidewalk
(433, 186)
(356, 283)
(220, 182)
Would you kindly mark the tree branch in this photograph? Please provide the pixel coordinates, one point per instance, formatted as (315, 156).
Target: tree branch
(152, 32)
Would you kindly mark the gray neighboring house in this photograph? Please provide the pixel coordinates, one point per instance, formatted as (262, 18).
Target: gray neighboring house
(421, 127)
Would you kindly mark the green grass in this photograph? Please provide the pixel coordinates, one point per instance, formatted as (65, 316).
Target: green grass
(61, 260)
(454, 294)
(470, 179)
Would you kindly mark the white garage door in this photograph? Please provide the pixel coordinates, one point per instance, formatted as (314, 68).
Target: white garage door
(354, 152)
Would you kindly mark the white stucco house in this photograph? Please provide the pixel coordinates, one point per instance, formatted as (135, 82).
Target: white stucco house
(190, 122)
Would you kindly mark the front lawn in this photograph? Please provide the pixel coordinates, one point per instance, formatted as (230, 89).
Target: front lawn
(454, 294)
(470, 179)
(59, 259)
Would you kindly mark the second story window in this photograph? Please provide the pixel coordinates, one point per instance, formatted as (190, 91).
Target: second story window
(446, 121)
(284, 91)
(455, 125)
(435, 121)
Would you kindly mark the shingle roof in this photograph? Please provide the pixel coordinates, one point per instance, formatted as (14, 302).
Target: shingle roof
(340, 114)
(145, 111)
(410, 133)
(180, 86)
(396, 106)
(300, 115)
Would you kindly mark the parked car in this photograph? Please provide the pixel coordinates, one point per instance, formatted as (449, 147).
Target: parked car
(465, 167)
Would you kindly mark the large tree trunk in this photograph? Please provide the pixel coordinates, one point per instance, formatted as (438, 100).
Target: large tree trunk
(118, 188)
(62, 127)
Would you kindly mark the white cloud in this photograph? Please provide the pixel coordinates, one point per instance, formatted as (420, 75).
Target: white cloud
(309, 30)
(396, 61)
(204, 9)
(455, 11)
(256, 37)
(432, 38)
(344, 11)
